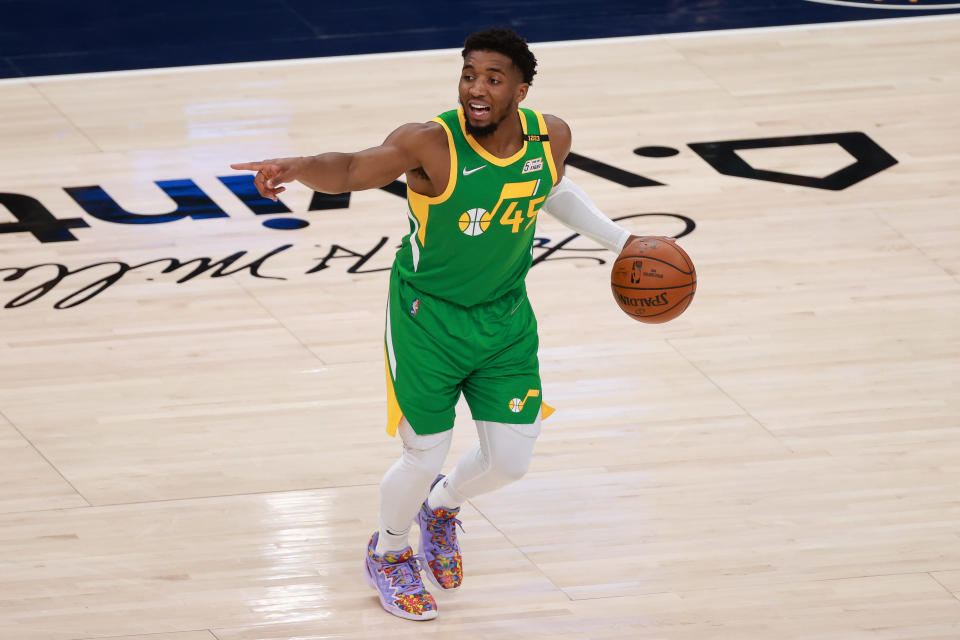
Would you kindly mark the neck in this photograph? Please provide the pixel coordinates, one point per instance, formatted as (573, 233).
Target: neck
(507, 139)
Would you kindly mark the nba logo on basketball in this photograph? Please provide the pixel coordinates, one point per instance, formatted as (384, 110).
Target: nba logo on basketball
(415, 307)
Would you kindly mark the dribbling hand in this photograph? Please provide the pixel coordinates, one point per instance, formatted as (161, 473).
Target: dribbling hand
(272, 173)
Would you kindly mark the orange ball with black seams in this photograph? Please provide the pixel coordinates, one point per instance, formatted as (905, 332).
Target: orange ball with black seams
(653, 279)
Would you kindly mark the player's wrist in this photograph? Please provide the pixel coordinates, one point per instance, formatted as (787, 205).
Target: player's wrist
(627, 239)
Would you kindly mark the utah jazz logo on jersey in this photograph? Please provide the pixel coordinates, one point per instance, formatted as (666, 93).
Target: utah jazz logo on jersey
(516, 203)
(516, 405)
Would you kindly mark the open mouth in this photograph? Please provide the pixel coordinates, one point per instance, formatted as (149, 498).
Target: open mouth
(478, 111)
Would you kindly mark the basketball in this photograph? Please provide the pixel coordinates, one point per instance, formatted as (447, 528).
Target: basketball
(653, 279)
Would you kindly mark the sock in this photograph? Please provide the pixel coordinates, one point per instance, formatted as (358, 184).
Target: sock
(443, 495)
(391, 541)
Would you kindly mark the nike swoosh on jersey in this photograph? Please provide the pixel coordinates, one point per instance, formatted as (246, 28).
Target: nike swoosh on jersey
(466, 173)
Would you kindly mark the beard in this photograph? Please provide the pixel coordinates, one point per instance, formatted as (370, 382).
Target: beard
(474, 130)
(480, 132)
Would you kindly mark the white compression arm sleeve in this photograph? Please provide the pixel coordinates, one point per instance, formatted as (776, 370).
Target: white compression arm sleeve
(570, 205)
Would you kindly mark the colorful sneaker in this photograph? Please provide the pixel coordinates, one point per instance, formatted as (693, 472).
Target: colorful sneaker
(396, 577)
(439, 546)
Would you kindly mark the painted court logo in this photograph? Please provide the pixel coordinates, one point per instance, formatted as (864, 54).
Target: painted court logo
(516, 405)
(475, 221)
(917, 5)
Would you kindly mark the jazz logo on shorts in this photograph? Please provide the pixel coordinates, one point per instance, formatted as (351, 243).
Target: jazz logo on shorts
(475, 221)
(516, 405)
(415, 307)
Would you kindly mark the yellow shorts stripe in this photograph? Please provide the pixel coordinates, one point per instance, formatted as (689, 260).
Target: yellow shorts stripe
(394, 413)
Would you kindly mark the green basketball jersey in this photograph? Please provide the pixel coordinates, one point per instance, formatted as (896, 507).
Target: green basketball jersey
(473, 243)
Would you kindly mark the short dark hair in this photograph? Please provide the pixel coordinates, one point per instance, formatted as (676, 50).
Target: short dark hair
(507, 42)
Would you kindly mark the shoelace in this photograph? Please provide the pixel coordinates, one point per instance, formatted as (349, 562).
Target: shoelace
(442, 532)
(405, 576)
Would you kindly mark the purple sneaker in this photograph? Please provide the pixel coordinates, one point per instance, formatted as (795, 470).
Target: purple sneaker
(439, 546)
(396, 577)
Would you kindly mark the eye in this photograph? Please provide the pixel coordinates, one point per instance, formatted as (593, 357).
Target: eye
(467, 77)
(494, 81)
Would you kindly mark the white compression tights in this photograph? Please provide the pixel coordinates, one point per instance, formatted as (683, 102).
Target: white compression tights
(501, 457)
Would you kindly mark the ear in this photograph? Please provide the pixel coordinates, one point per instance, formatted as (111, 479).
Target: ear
(522, 89)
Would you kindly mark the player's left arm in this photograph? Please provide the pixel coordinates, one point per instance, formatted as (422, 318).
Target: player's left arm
(569, 204)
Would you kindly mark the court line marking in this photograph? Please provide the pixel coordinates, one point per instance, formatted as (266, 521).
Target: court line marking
(456, 50)
(895, 7)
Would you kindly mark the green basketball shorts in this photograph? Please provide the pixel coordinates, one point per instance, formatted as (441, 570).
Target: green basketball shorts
(436, 350)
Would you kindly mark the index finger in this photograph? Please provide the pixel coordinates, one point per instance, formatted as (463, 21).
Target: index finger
(249, 166)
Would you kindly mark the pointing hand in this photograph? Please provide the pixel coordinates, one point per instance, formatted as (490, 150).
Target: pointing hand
(271, 174)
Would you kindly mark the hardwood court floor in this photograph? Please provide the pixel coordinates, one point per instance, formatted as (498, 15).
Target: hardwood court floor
(200, 460)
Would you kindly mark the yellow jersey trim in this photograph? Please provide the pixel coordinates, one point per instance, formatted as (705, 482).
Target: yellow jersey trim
(421, 209)
(419, 203)
(486, 155)
(546, 145)
(394, 413)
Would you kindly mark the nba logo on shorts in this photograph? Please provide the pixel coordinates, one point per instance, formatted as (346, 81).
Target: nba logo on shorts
(415, 307)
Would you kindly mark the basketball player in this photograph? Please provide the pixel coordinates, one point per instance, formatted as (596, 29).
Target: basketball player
(458, 319)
